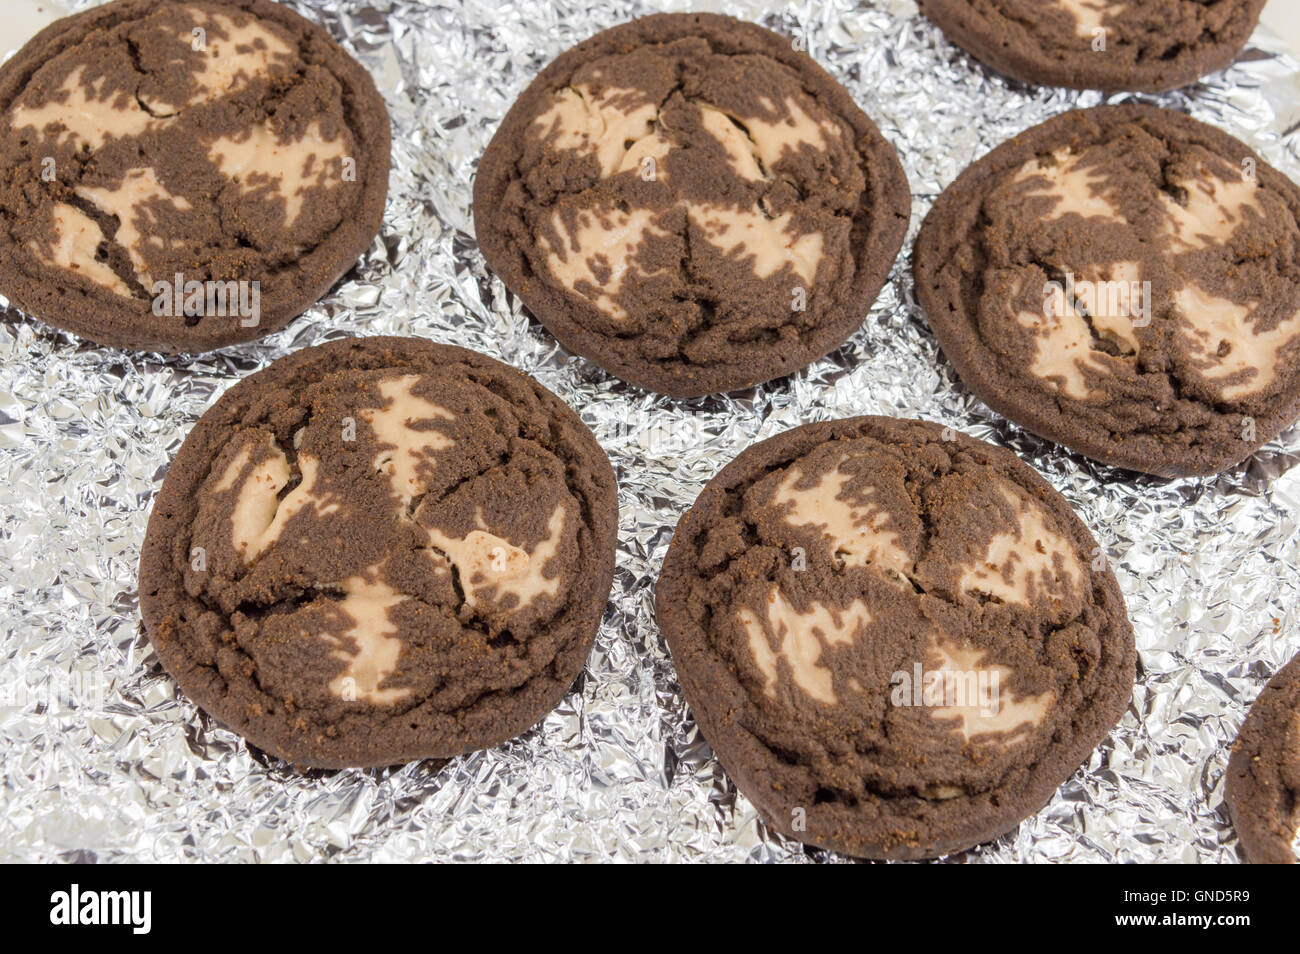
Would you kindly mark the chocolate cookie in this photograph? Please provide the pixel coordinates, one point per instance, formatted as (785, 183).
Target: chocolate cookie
(899, 640)
(1263, 786)
(378, 550)
(692, 204)
(1112, 45)
(183, 176)
(1123, 280)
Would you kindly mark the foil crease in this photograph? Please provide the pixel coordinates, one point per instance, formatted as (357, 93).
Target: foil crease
(105, 760)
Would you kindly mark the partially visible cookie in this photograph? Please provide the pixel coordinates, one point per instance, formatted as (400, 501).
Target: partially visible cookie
(378, 550)
(1123, 280)
(1263, 786)
(898, 640)
(179, 176)
(692, 204)
(1111, 45)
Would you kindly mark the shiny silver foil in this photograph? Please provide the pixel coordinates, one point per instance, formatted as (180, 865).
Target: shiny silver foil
(105, 760)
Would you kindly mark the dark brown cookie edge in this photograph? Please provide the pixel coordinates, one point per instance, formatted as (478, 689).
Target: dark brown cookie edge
(953, 327)
(1260, 827)
(749, 763)
(104, 318)
(889, 202)
(970, 31)
(175, 505)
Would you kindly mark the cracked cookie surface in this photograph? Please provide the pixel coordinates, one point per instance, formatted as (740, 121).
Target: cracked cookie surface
(1112, 45)
(183, 176)
(1263, 779)
(691, 204)
(896, 638)
(378, 550)
(1123, 280)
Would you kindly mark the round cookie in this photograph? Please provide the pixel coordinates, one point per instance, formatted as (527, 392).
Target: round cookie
(1111, 45)
(184, 176)
(379, 550)
(1123, 280)
(896, 638)
(1263, 785)
(691, 204)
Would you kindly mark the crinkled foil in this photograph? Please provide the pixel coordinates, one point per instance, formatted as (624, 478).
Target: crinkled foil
(104, 759)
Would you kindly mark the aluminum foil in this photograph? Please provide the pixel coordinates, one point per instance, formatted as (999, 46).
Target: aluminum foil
(105, 760)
